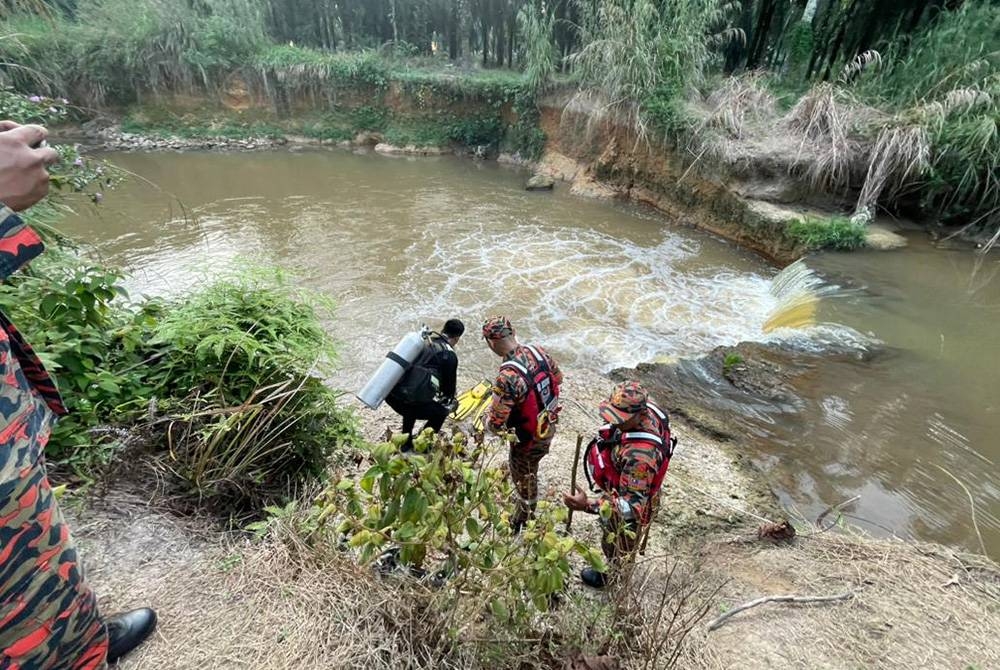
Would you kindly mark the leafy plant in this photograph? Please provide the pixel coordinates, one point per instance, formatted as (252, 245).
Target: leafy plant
(442, 511)
(536, 24)
(730, 362)
(836, 232)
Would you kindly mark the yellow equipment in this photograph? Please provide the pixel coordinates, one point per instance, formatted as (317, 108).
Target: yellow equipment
(473, 403)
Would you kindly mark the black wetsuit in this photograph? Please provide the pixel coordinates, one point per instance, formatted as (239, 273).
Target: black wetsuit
(444, 364)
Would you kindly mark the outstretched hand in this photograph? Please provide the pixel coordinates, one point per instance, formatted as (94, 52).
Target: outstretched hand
(23, 159)
(576, 501)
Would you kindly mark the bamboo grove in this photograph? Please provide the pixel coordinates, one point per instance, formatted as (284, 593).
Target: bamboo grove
(771, 31)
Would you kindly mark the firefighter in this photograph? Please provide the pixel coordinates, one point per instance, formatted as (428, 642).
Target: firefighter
(625, 464)
(526, 403)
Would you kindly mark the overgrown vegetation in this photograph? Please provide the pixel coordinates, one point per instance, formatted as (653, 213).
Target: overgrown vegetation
(435, 526)
(892, 103)
(225, 386)
(836, 232)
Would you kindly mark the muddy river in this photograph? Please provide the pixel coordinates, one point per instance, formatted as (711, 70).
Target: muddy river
(398, 242)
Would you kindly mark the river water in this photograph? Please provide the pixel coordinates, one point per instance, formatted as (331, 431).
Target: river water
(398, 242)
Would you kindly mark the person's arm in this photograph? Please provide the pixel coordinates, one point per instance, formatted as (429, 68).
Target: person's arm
(638, 469)
(505, 397)
(556, 372)
(23, 182)
(449, 375)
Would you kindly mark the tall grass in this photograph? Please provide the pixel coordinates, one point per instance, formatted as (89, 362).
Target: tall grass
(117, 49)
(636, 54)
(540, 60)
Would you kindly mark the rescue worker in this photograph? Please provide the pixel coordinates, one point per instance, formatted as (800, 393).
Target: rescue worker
(48, 613)
(525, 401)
(626, 464)
(432, 396)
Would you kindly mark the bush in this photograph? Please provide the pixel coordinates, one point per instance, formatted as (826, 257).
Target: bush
(239, 373)
(226, 386)
(442, 512)
(72, 313)
(837, 232)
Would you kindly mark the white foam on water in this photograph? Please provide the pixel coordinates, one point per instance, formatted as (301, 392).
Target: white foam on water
(589, 295)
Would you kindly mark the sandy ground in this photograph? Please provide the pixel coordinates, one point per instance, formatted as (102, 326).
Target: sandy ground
(223, 604)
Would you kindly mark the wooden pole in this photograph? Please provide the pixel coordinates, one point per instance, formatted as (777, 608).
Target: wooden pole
(572, 490)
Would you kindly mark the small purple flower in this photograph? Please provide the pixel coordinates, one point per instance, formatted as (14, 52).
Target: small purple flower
(78, 162)
(35, 98)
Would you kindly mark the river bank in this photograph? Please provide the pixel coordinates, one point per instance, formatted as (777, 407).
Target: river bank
(226, 601)
(764, 219)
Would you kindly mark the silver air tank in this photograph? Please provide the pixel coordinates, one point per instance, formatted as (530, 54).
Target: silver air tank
(391, 371)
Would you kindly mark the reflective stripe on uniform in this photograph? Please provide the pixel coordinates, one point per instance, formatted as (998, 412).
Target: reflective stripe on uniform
(657, 411)
(516, 365)
(643, 436)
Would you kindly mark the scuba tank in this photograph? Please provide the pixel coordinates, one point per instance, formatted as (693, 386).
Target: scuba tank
(396, 363)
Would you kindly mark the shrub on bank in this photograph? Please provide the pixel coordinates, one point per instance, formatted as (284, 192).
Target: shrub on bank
(224, 387)
(836, 232)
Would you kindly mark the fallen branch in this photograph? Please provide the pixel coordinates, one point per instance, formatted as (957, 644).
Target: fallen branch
(777, 599)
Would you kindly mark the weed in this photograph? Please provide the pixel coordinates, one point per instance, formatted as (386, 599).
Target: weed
(730, 362)
(813, 233)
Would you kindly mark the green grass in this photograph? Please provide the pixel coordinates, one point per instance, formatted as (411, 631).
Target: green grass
(836, 232)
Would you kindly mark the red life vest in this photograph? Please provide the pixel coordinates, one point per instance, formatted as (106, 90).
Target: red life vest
(599, 463)
(534, 418)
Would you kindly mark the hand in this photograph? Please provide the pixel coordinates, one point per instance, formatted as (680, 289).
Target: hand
(576, 501)
(23, 177)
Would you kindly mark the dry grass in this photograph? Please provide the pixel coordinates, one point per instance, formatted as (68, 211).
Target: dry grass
(829, 153)
(916, 606)
(225, 602)
(739, 101)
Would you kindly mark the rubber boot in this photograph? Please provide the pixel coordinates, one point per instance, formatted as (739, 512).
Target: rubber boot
(127, 631)
(593, 578)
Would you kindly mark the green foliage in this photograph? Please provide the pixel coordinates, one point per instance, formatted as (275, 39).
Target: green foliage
(637, 53)
(227, 382)
(731, 360)
(31, 108)
(836, 232)
(444, 510)
(370, 118)
(239, 368)
(536, 27)
(165, 125)
(956, 52)
(117, 49)
(71, 312)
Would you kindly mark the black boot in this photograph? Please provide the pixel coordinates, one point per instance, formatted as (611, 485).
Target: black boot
(127, 631)
(593, 578)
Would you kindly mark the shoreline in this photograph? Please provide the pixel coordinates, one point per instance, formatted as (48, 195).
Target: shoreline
(241, 590)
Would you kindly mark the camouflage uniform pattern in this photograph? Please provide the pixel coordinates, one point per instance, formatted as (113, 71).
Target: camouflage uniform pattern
(48, 615)
(637, 461)
(510, 390)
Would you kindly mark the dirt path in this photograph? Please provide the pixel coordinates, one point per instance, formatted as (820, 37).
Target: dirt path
(225, 602)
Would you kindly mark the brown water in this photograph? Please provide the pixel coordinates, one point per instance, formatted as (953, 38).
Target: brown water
(399, 242)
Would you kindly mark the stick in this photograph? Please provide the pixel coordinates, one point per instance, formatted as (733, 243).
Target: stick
(778, 599)
(576, 462)
(834, 508)
(972, 506)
